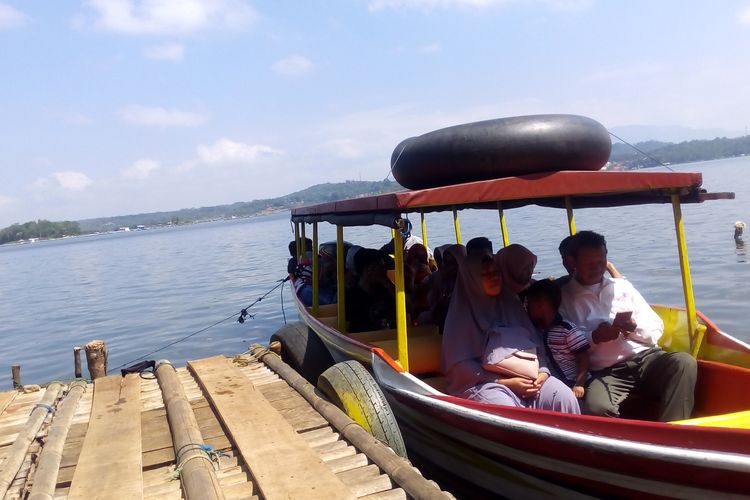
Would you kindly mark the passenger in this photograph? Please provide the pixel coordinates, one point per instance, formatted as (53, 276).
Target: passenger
(301, 270)
(349, 268)
(438, 255)
(409, 241)
(292, 264)
(370, 303)
(419, 274)
(478, 308)
(566, 344)
(567, 260)
(417, 260)
(327, 281)
(442, 283)
(478, 248)
(624, 355)
(517, 266)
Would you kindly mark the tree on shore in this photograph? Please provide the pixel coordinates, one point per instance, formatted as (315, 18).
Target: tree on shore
(42, 229)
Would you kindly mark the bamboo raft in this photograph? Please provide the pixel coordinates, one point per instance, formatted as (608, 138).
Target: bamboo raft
(220, 428)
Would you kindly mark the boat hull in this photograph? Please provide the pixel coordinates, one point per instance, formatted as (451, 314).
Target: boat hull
(523, 453)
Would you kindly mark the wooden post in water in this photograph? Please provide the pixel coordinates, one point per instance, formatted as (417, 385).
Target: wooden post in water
(77, 361)
(15, 371)
(96, 358)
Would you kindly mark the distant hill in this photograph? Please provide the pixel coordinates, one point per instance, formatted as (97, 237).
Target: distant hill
(314, 194)
(683, 152)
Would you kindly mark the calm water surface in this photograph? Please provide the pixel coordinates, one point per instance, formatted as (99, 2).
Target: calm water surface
(140, 290)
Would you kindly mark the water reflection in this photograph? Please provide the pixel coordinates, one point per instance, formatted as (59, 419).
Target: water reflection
(740, 250)
(739, 243)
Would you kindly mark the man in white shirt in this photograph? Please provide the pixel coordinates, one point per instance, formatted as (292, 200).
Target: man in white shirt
(624, 355)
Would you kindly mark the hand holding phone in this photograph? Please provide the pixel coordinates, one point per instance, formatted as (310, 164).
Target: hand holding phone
(624, 321)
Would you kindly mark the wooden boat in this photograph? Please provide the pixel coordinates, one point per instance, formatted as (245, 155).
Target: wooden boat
(517, 452)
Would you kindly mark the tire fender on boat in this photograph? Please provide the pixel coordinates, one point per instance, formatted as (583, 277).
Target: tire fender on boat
(303, 350)
(350, 386)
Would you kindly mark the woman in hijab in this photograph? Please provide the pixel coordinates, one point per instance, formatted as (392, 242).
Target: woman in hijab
(482, 305)
(442, 283)
(516, 263)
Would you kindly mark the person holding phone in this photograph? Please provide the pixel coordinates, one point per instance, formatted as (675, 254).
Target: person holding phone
(624, 356)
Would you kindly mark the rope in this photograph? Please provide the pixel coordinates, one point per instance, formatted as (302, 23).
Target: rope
(241, 319)
(642, 152)
(211, 454)
(396, 162)
(49, 408)
(283, 312)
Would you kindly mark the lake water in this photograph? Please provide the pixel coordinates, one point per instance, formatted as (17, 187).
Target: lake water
(141, 290)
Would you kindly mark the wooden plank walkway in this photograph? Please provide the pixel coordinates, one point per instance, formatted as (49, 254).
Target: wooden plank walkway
(111, 450)
(243, 409)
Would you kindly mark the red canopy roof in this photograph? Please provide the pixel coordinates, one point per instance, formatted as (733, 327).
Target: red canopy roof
(586, 189)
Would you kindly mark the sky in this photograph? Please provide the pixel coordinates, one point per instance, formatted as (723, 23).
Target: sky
(114, 107)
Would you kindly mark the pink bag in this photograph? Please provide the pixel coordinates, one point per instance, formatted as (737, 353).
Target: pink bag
(511, 353)
(519, 364)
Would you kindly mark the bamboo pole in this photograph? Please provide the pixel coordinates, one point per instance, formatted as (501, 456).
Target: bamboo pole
(45, 478)
(96, 358)
(398, 469)
(17, 453)
(198, 477)
(77, 362)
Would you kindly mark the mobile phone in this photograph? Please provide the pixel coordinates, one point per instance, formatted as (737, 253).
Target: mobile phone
(622, 319)
(623, 316)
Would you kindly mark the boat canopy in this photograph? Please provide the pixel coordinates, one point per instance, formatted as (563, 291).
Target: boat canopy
(564, 189)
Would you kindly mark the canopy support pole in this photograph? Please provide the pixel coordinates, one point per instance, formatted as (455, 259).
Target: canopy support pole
(316, 271)
(424, 228)
(571, 219)
(340, 285)
(687, 282)
(456, 226)
(401, 340)
(503, 227)
(302, 243)
(296, 239)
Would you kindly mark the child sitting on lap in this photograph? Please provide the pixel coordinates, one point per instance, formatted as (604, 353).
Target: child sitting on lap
(566, 343)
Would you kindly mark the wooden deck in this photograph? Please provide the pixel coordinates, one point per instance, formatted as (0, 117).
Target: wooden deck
(273, 443)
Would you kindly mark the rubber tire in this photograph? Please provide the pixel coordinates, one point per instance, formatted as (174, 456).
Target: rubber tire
(350, 386)
(303, 350)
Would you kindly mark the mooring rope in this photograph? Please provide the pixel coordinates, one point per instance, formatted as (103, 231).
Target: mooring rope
(241, 319)
(642, 152)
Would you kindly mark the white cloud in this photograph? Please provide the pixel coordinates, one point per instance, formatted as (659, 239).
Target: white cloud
(226, 151)
(171, 17)
(293, 65)
(637, 71)
(174, 52)
(344, 148)
(11, 17)
(72, 181)
(743, 16)
(5, 200)
(377, 5)
(78, 119)
(430, 48)
(156, 116)
(141, 169)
